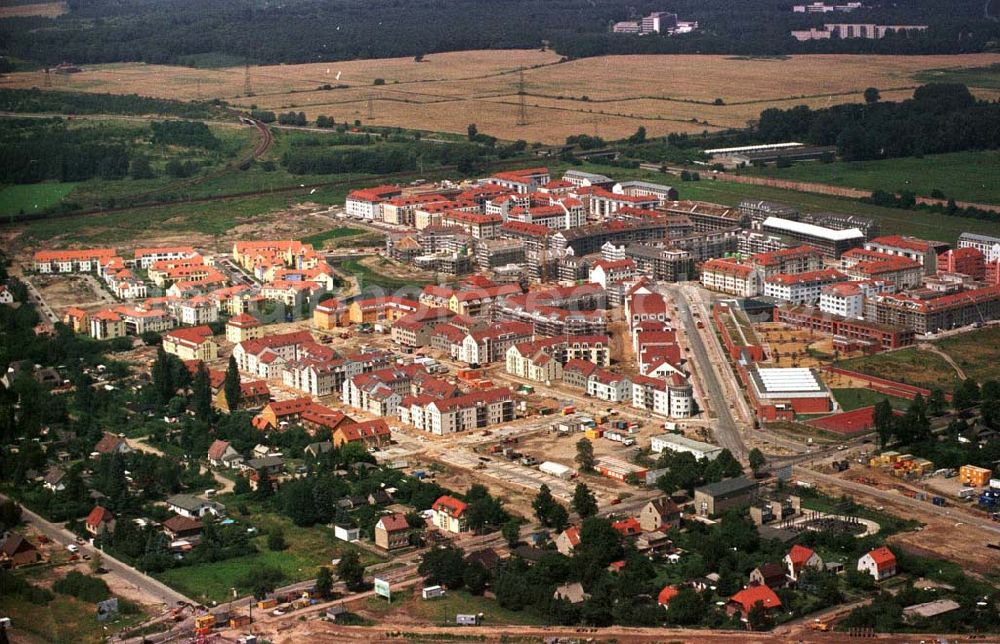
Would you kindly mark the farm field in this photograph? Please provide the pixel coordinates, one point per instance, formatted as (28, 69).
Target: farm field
(976, 352)
(963, 176)
(448, 91)
(31, 198)
(910, 366)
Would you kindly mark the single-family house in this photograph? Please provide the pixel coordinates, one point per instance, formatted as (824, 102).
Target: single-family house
(743, 602)
(17, 551)
(661, 513)
(193, 507)
(770, 574)
(799, 558)
(572, 592)
(567, 540)
(880, 563)
(112, 444)
(449, 514)
(392, 532)
(99, 519)
(222, 454)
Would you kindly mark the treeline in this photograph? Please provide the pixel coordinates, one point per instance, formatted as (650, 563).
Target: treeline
(942, 117)
(907, 200)
(386, 158)
(192, 134)
(100, 31)
(36, 100)
(36, 151)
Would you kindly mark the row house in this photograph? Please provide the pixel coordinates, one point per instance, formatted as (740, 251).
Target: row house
(367, 203)
(192, 343)
(146, 257)
(490, 345)
(672, 396)
(523, 181)
(801, 288)
(921, 251)
(372, 434)
(72, 261)
(577, 372)
(609, 386)
(731, 277)
(279, 414)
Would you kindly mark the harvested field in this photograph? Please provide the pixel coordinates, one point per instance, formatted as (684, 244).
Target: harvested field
(448, 91)
(41, 9)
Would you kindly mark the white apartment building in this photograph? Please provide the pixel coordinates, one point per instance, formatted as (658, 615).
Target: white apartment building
(803, 288)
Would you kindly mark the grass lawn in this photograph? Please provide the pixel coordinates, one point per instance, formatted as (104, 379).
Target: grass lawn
(368, 278)
(442, 610)
(64, 619)
(34, 197)
(910, 366)
(335, 234)
(963, 176)
(976, 352)
(851, 398)
(308, 549)
(985, 77)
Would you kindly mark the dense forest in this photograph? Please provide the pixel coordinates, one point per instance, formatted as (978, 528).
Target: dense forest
(193, 32)
(941, 117)
(36, 100)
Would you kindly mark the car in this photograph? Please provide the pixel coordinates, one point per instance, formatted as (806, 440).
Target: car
(73, 548)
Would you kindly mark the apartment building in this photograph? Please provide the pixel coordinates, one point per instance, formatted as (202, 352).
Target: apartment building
(146, 257)
(789, 261)
(730, 276)
(194, 343)
(491, 344)
(72, 261)
(988, 245)
(367, 204)
(472, 411)
(609, 386)
(802, 288)
(933, 312)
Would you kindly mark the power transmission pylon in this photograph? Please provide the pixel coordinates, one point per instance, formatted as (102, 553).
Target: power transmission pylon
(48, 77)
(522, 108)
(247, 87)
(371, 107)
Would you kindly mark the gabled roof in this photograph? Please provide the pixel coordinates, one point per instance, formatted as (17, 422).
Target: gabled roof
(572, 534)
(98, 516)
(217, 449)
(800, 555)
(450, 506)
(668, 593)
(883, 557)
(748, 597)
(179, 523)
(109, 443)
(370, 429)
(394, 522)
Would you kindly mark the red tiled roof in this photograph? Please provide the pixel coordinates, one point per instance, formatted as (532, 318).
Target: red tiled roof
(217, 449)
(799, 555)
(394, 522)
(572, 535)
(748, 598)
(450, 506)
(883, 557)
(905, 243)
(668, 593)
(370, 429)
(98, 516)
(825, 275)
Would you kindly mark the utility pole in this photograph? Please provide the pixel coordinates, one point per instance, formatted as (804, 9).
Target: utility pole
(371, 107)
(247, 87)
(522, 108)
(48, 77)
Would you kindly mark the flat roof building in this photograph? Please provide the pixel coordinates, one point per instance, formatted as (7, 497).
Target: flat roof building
(829, 241)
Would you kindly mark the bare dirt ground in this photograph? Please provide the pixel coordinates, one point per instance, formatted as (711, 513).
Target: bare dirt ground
(796, 347)
(448, 91)
(62, 291)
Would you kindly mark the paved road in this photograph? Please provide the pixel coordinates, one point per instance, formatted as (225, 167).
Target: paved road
(147, 584)
(726, 433)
